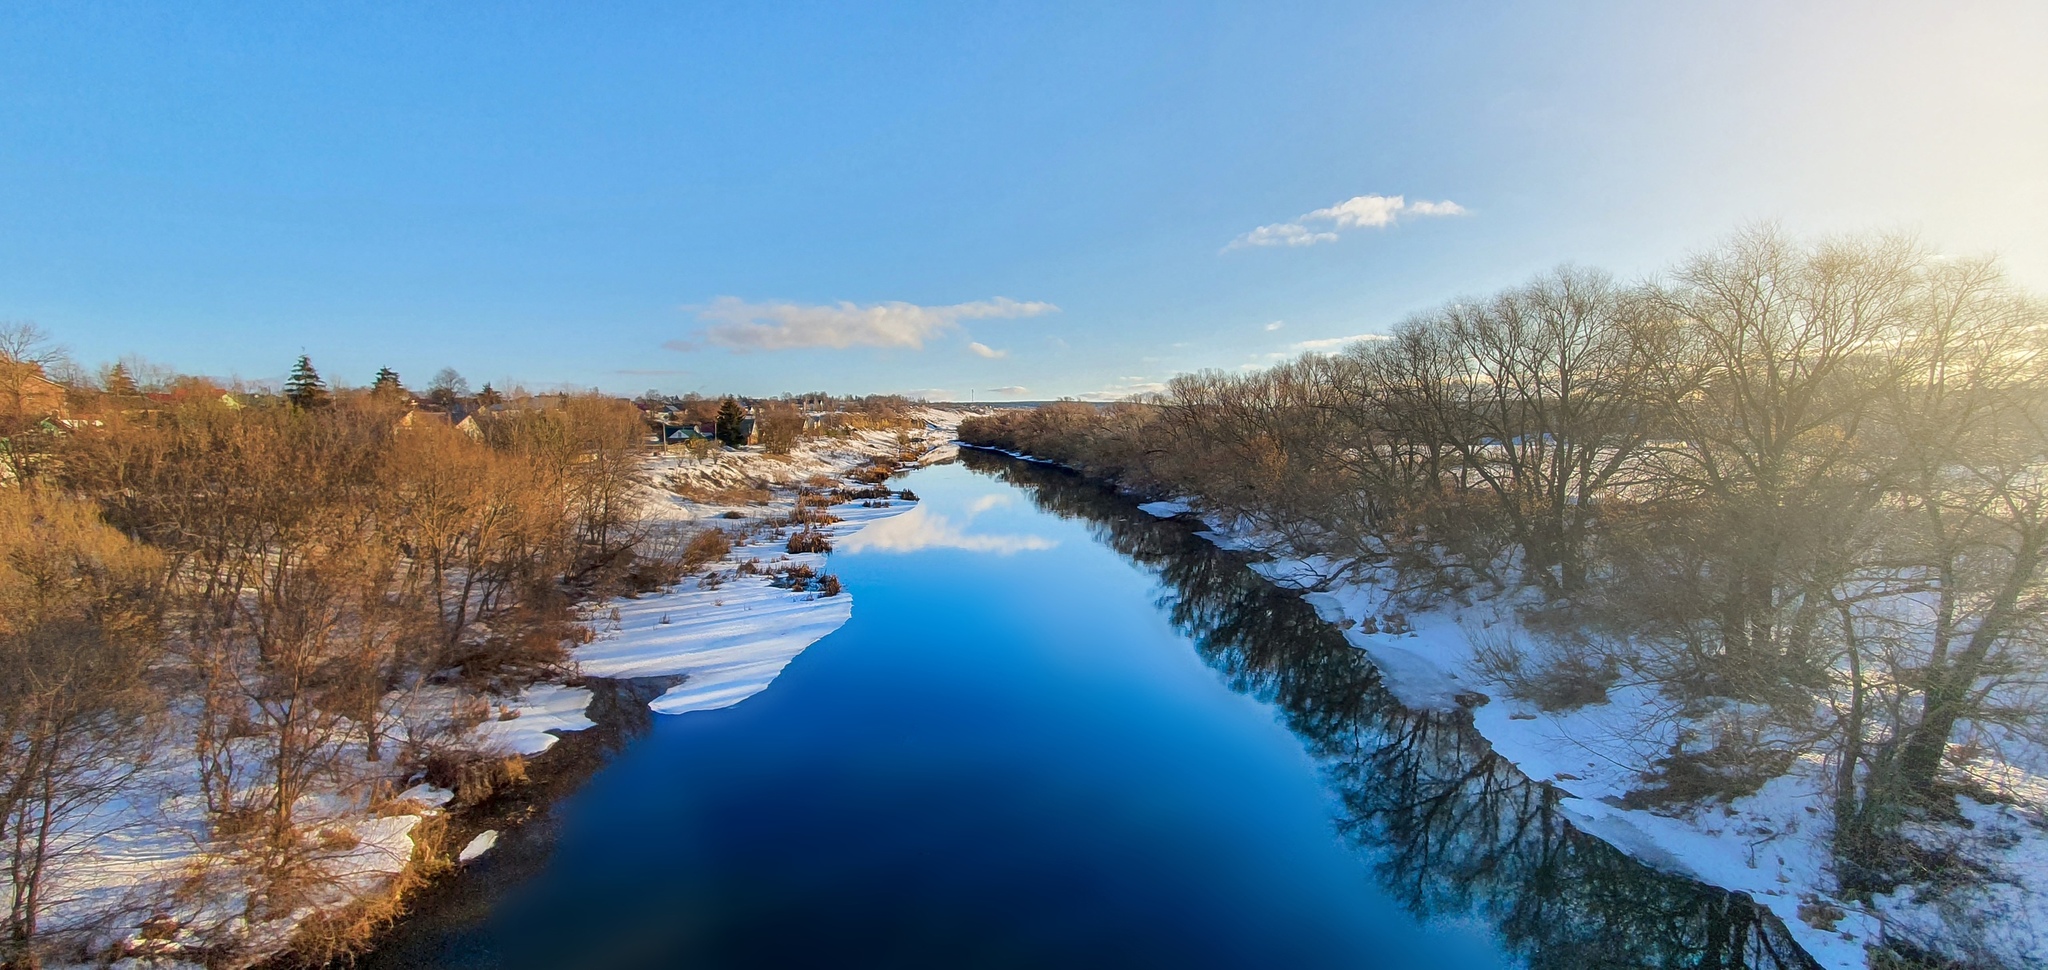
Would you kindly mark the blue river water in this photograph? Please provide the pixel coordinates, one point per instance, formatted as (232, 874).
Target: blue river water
(1057, 732)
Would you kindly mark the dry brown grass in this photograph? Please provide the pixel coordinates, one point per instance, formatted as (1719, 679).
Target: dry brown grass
(808, 540)
(339, 934)
(704, 495)
(474, 776)
(705, 548)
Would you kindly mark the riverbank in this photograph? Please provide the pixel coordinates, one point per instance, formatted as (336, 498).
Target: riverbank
(1771, 844)
(146, 880)
(711, 640)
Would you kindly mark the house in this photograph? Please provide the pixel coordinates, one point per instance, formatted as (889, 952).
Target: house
(187, 390)
(25, 392)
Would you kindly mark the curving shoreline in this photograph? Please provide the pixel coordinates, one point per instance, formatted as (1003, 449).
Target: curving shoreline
(1423, 685)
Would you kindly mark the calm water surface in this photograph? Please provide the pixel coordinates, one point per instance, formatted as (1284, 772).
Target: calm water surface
(1059, 733)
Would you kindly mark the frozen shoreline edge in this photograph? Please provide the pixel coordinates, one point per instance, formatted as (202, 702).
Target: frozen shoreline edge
(1422, 683)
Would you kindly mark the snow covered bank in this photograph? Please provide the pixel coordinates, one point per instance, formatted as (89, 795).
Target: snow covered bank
(526, 722)
(729, 633)
(1773, 844)
(148, 864)
(729, 640)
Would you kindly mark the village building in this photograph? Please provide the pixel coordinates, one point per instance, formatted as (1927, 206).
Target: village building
(25, 392)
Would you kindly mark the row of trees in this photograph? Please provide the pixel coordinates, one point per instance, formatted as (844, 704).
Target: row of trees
(1808, 478)
(259, 589)
(778, 423)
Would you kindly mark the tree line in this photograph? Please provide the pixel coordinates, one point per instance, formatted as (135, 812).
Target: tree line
(1797, 485)
(256, 592)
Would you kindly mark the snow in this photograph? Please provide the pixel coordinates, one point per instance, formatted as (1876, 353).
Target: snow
(384, 849)
(523, 727)
(1165, 510)
(1773, 844)
(432, 796)
(478, 846)
(730, 641)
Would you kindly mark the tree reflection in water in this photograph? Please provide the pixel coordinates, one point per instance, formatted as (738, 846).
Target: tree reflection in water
(1459, 832)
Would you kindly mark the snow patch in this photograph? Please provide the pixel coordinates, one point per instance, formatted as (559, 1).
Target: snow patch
(524, 723)
(730, 641)
(478, 846)
(1165, 510)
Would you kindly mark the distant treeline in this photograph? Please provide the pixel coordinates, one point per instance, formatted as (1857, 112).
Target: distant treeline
(1798, 486)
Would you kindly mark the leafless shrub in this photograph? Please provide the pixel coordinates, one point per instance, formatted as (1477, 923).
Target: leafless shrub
(808, 540)
(704, 548)
(1560, 674)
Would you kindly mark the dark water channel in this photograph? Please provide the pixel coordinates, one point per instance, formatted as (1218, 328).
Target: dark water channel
(1058, 732)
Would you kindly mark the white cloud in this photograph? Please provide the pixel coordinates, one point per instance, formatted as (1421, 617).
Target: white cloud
(993, 500)
(983, 350)
(1130, 387)
(1336, 343)
(920, 528)
(740, 325)
(1360, 211)
(1357, 212)
(1011, 391)
(1275, 325)
(1281, 234)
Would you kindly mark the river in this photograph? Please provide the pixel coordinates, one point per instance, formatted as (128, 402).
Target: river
(1058, 732)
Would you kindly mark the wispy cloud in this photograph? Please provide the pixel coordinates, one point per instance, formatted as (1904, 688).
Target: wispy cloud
(1281, 234)
(741, 325)
(1275, 325)
(980, 349)
(921, 528)
(1358, 212)
(1010, 391)
(1335, 343)
(1126, 388)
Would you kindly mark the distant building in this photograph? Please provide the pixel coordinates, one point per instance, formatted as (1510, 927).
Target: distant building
(25, 392)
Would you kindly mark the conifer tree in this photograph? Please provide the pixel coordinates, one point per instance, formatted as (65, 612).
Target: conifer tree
(304, 387)
(488, 396)
(729, 418)
(386, 384)
(119, 384)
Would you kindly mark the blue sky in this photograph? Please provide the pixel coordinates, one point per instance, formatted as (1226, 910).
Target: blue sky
(1051, 200)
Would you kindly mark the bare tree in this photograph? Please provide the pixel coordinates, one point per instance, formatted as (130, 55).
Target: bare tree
(77, 632)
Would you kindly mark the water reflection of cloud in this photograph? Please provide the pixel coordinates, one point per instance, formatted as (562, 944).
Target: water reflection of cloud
(921, 529)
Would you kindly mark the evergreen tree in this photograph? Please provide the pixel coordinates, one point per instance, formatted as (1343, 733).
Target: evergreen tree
(386, 384)
(729, 418)
(488, 396)
(119, 384)
(304, 387)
